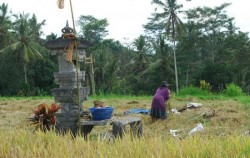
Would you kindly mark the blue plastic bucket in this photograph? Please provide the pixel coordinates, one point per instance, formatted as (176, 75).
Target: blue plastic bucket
(101, 113)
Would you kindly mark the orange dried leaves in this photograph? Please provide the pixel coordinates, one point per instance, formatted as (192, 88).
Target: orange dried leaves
(45, 116)
(41, 109)
(53, 108)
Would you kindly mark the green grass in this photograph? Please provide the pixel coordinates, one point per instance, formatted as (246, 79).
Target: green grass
(114, 96)
(193, 91)
(22, 98)
(243, 99)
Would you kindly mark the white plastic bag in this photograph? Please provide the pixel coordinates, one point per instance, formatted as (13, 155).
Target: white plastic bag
(198, 128)
(174, 132)
(194, 105)
(175, 111)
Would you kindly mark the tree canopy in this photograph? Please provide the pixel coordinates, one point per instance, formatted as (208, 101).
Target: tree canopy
(204, 43)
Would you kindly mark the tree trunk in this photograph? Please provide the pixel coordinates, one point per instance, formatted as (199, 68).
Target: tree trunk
(25, 74)
(175, 70)
(175, 65)
(187, 76)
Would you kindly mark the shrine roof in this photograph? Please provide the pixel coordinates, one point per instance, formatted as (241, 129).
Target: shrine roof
(61, 43)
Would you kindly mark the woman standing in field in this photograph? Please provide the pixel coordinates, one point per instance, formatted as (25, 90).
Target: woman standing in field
(159, 106)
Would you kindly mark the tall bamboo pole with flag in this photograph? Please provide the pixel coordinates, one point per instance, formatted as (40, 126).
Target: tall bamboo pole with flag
(60, 4)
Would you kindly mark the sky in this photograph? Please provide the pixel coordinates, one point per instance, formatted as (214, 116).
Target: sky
(125, 17)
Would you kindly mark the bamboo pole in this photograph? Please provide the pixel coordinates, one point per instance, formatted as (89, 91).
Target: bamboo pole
(92, 71)
(77, 67)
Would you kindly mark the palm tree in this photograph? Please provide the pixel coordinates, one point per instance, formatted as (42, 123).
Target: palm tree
(173, 25)
(160, 63)
(5, 25)
(163, 54)
(36, 27)
(105, 67)
(25, 46)
(141, 58)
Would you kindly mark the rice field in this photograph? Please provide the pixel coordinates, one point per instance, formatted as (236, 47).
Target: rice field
(226, 123)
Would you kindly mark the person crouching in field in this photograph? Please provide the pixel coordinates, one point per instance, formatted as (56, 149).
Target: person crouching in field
(159, 106)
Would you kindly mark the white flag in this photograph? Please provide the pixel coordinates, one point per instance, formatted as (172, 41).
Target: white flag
(60, 4)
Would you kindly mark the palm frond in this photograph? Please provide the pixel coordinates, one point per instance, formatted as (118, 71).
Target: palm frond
(168, 26)
(159, 16)
(180, 27)
(30, 53)
(41, 50)
(36, 53)
(11, 48)
(151, 67)
(158, 2)
(25, 54)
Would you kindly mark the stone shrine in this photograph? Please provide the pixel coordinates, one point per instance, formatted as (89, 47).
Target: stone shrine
(67, 92)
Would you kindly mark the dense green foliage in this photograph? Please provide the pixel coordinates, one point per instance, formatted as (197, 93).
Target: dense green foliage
(23, 55)
(233, 90)
(208, 46)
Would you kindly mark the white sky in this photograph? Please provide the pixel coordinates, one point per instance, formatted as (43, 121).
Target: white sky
(125, 17)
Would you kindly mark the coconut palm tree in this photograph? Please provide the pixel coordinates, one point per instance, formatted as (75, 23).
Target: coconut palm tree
(173, 25)
(159, 68)
(141, 56)
(36, 27)
(25, 47)
(5, 25)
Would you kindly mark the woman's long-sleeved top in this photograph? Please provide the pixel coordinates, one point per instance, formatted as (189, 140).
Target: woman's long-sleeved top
(160, 97)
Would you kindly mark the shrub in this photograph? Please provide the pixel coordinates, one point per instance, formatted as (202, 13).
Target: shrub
(205, 85)
(25, 90)
(233, 90)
